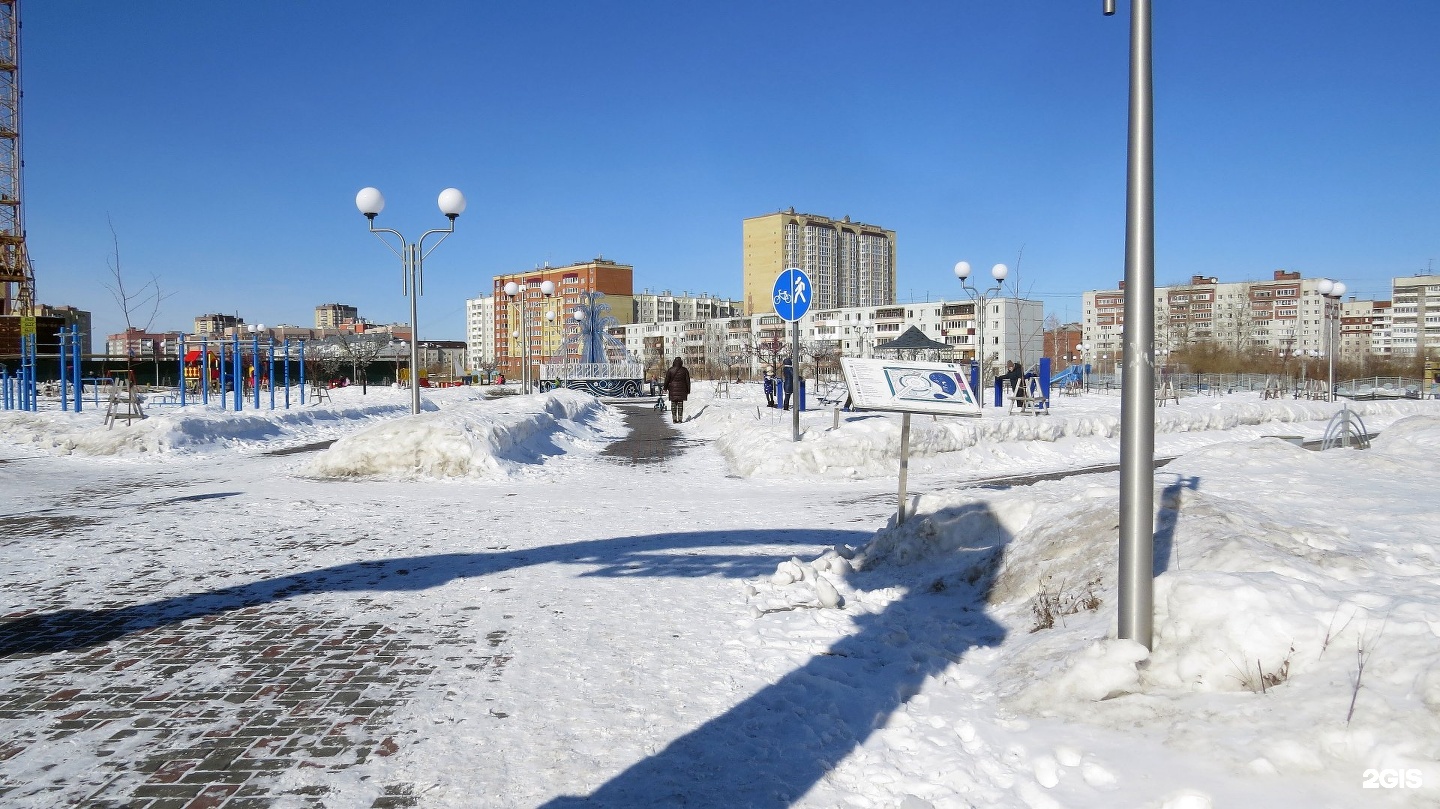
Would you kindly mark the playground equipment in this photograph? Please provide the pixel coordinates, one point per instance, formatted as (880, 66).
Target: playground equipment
(1346, 429)
(124, 401)
(1069, 380)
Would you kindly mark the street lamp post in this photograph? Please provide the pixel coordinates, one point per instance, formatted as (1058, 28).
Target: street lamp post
(518, 292)
(1084, 349)
(412, 259)
(1330, 292)
(981, 299)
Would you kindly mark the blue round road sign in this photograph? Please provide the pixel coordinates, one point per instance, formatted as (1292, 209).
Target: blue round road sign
(792, 294)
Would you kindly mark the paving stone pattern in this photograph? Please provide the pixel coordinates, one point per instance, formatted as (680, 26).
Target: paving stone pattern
(651, 438)
(296, 692)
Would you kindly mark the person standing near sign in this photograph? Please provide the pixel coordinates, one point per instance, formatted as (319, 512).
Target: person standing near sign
(788, 372)
(769, 388)
(677, 384)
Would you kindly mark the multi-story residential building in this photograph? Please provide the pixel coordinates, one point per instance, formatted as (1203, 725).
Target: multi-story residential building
(1285, 313)
(138, 344)
(665, 307)
(480, 332)
(850, 263)
(1013, 330)
(542, 321)
(333, 315)
(216, 323)
(70, 317)
(1415, 327)
(1380, 319)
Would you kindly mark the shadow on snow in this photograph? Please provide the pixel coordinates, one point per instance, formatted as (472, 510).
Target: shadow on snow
(771, 749)
(650, 555)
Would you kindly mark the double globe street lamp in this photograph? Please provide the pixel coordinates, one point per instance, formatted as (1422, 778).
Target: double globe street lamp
(412, 260)
(981, 299)
(522, 332)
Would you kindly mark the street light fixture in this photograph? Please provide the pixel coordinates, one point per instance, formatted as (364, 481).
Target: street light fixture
(412, 260)
(981, 300)
(1083, 349)
(1330, 292)
(517, 292)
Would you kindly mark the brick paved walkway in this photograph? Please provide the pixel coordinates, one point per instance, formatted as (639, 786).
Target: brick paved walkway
(297, 691)
(652, 437)
(221, 698)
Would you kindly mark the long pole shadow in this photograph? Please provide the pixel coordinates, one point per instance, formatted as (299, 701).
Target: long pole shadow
(648, 555)
(771, 749)
(1167, 520)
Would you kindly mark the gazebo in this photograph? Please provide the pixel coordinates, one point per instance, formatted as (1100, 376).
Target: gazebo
(914, 340)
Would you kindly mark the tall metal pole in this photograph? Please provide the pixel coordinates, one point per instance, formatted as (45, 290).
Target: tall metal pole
(75, 366)
(413, 267)
(1330, 341)
(1137, 412)
(236, 372)
(795, 395)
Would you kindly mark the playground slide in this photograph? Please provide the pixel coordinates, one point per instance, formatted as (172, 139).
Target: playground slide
(1075, 373)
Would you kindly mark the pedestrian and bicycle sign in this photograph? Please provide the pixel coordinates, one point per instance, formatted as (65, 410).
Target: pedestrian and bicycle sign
(792, 294)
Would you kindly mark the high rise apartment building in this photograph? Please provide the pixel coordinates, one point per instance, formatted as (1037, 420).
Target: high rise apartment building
(849, 263)
(332, 315)
(480, 332)
(216, 323)
(1415, 316)
(70, 316)
(531, 317)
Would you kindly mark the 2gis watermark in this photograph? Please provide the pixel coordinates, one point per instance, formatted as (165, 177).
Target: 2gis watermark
(1391, 779)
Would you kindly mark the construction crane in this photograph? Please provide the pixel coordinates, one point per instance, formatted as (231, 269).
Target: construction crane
(17, 276)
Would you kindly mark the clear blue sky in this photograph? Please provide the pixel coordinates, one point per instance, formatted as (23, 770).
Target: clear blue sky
(226, 142)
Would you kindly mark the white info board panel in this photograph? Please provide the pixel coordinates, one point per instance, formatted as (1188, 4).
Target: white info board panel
(939, 388)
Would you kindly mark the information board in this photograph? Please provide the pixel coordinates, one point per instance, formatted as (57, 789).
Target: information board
(940, 388)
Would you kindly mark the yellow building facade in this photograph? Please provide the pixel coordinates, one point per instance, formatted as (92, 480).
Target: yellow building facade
(849, 263)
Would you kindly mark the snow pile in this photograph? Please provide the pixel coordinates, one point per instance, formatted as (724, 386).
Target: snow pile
(800, 585)
(191, 430)
(1269, 612)
(502, 438)
(865, 445)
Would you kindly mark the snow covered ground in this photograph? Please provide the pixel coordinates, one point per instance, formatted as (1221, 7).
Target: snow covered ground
(744, 624)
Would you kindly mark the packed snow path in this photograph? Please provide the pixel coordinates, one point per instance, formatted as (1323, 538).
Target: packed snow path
(236, 629)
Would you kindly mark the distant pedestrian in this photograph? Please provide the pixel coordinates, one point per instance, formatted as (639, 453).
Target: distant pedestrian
(769, 388)
(788, 371)
(677, 385)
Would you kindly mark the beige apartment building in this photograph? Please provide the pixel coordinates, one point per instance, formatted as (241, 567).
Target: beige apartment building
(332, 315)
(849, 263)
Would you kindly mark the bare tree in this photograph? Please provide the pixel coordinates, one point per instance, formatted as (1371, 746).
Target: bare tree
(824, 356)
(136, 304)
(654, 357)
(771, 347)
(1235, 323)
(360, 351)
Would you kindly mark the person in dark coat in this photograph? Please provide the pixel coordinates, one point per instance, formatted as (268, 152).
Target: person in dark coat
(788, 371)
(1011, 377)
(769, 389)
(677, 384)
